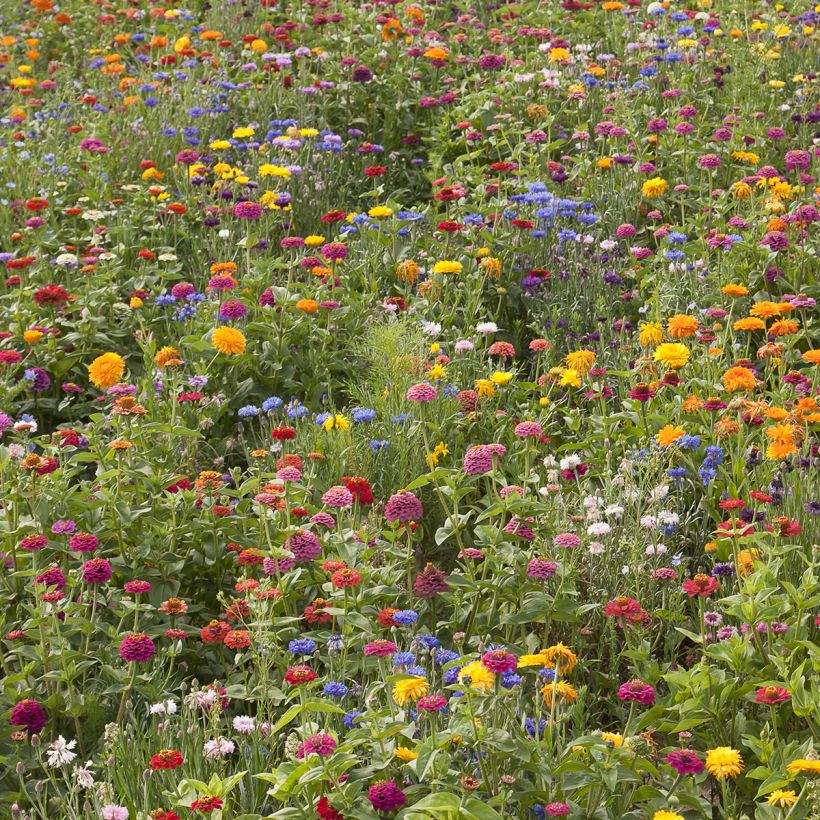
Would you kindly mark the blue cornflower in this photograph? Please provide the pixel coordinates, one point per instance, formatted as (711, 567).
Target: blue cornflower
(247, 411)
(405, 616)
(302, 646)
(334, 689)
(272, 403)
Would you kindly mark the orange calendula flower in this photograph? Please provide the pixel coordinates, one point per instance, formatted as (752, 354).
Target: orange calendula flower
(682, 326)
(669, 435)
(106, 370)
(228, 340)
(739, 379)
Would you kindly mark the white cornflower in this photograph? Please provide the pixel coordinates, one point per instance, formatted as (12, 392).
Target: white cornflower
(59, 752)
(649, 522)
(599, 528)
(84, 776)
(569, 462)
(596, 548)
(668, 517)
(615, 510)
(164, 707)
(431, 328)
(486, 327)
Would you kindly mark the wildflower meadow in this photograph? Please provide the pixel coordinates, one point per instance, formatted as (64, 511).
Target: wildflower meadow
(410, 409)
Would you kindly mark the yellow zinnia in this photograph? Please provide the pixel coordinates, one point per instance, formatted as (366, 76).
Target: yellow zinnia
(654, 187)
(228, 340)
(447, 266)
(723, 762)
(106, 370)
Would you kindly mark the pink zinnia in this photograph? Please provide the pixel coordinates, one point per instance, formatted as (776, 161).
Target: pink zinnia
(685, 761)
(381, 648)
(322, 744)
(83, 542)
(304, 545)
(499, 661)
(421, 392)
(403, 506)
(478, 460)
(636, 691)
(97, 571)
(30, 715)
(386, 796)
(137, 587)
(556, 809)
(566, 540)
(541, 568)
(247, 210)
(137, 648)
(338, 496)
(528, 429)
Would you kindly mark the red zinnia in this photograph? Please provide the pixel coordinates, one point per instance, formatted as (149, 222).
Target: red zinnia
(207, 803)
(772, 695)
(166, 759)
(700, 586)
(300, 674)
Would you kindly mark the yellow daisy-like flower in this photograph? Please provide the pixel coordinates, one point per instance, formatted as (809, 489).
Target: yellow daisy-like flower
(405, 754)
(782, 799)
(410, 690)
(803, 766)
(669, 435)
(672, 354)
(447, 266)
(723, 762)
(569, 378)
(654, 187)
(485, 388)
(563, 692)
(538, 659)
(650, 334)
(228, 340)
(501, 377)
(380, 212)
(615, 738)
(667, 815)
(810, 356)
(580, 360)
(561, 658)
(476, 676)
(749, 323)
(106, 370)
(242, 133)
(31, 337)
(336, 422)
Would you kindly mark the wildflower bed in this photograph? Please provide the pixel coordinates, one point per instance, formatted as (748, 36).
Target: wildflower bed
(409, 410)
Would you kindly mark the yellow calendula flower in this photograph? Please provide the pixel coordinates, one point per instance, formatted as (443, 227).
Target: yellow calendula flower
(723, 762)
(31, 337)
(669, 435)
(667, 815)
(476, 676)
(617, 740)
(559, 55)
(242, 133)
(409, 690)
(314, 239)
(219, 145)
(106, 370)
(672, 354)
(436, 372)
(501, 377)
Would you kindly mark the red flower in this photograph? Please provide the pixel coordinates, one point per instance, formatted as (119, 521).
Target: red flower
(283, 433)
(299, 675)
(385, 618)
(166, 759)
(732, 504)
(52, 295)
(700, 586)
(772, 695)
(326, 811)
(237, 639)
(345, 577)
(763, 498)
(314, 613)
(207, 803)
(214, 632)
(360, 488)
